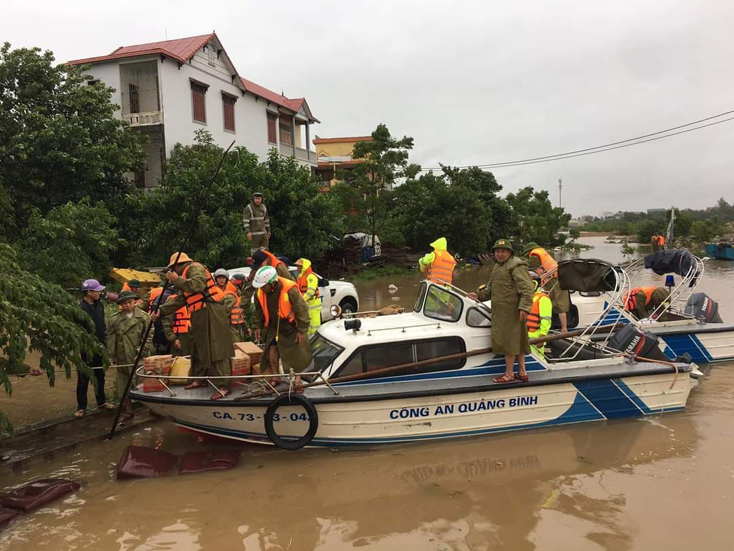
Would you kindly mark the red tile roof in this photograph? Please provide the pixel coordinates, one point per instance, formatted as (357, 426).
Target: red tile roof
(181, 49)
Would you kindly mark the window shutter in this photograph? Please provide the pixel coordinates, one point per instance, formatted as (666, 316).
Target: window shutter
(228, 105)
(272, 138)
(198, 97)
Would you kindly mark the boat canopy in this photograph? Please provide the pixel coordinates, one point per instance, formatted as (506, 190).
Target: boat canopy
(673, 261)
(587, 275)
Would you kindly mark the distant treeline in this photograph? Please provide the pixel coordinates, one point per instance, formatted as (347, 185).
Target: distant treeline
(703, 225)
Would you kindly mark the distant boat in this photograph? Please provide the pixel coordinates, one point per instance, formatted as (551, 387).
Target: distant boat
(721, 251)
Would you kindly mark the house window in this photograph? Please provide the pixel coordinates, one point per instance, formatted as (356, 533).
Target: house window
(272, 138)
(134, 91)
(198, 98)
(228, 105)
(211, 54)
(286, 133)
(93, 82)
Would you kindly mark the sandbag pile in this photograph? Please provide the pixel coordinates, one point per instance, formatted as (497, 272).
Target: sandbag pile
(142, 462)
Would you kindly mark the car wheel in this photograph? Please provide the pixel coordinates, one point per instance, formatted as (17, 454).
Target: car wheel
(348, 306)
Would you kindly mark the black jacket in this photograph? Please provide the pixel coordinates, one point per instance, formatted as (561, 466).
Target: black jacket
(96, 312)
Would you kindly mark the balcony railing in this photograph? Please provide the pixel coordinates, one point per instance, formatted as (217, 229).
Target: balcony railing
(301, 154)
(144, 119)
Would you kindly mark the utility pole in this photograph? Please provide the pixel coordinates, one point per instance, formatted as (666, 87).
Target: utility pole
(560, 194)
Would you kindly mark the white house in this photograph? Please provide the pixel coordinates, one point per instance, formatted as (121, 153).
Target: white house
(170, 89)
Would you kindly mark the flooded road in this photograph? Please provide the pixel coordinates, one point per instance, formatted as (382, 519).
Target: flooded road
(664, 482)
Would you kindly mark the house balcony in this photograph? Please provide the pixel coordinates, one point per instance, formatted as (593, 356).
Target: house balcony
(148, 118)
(301, 154)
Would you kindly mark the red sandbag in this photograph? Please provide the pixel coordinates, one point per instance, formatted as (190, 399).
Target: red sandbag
(141, 462)
(36, 494)
(6, 515)
(197, 462)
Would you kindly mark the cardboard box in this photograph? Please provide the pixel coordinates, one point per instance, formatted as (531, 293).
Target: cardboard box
(240, 364)
(154, 385)
(158, 364)
(251, 349)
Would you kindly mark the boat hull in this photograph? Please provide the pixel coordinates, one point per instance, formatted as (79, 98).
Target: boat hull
(720, 252)
(392, 420)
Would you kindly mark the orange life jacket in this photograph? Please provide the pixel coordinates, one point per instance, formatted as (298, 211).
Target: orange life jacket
(533, 322)
(661, 240)
(441, 269)
(181, 321)
(197, 301)
(236, 315)
(285, 308)
(630, 300)
(272, 259)
(303, 283)
(547, 265)
(154, 294)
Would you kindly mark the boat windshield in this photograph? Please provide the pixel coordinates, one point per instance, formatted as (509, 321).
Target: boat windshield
(442, 305)
(323, 353)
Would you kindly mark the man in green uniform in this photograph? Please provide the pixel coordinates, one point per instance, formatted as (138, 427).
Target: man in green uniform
(125, 333)
(257, 223)
(281, 322)
(511, 291)
(542, 263)
(643, 301)
(210, 337)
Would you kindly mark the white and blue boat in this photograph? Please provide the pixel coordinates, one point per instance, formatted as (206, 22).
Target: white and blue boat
(427, 375)
(721, 250)
(688, 323)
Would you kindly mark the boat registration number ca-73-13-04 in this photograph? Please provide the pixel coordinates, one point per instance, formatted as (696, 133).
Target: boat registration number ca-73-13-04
(464, 407)
(253, 417)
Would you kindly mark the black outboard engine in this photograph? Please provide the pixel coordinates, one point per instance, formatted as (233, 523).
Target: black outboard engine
(704, 308)
(631, 340)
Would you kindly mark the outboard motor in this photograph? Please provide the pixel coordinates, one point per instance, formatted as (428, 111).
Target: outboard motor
(704, 308)
(631, 340)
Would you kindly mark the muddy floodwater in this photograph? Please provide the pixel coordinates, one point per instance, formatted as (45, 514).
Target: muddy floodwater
(663, 482)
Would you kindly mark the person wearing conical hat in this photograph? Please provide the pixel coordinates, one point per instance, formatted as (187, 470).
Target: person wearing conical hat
(542, 263)
(209, 335)
(511, 291)
(125, 333)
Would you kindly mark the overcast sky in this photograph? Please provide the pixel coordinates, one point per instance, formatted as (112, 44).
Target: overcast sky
(472, 82)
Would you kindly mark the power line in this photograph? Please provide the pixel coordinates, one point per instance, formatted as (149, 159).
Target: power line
(606, 147)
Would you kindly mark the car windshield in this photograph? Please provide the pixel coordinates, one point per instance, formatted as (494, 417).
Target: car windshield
(323, 353)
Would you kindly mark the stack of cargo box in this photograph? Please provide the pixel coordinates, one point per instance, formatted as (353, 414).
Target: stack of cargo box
(156, 365)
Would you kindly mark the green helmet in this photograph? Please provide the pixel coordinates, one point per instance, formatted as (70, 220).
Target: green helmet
(126, 295)
(529, 247)
(503, 244)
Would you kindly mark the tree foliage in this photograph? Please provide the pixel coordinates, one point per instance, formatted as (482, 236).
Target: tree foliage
(366, 194)
(536, 218)
(59, 138)
(70, 243)
(36, 315)
(302, 218)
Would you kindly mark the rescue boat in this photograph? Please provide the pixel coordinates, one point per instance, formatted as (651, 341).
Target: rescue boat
(429, 374)
(687, 323)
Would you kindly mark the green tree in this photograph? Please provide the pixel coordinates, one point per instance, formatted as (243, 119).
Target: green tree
(60, 140)
(537, 219)
(706, 230)
(384, 162)
(303, 218)
(70, 243)
(36, 315)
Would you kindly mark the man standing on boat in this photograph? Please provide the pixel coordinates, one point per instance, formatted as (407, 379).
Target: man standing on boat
(542, 263)
(257, 223)
(281, 322)
(232, 302)
(540, 316)
(511, 291)
(643, 301)
(210, 337)
(439, 264)
(308, 285)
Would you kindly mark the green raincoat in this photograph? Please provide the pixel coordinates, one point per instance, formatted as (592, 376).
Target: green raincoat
(210, 337)
(292, 355)
(124, 338)
(510, 289)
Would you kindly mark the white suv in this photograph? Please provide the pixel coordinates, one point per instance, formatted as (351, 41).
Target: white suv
(340, 293)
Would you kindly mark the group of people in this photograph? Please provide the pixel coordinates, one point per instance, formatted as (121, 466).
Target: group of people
(524, 293)
(123, 336)
(657, 241)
